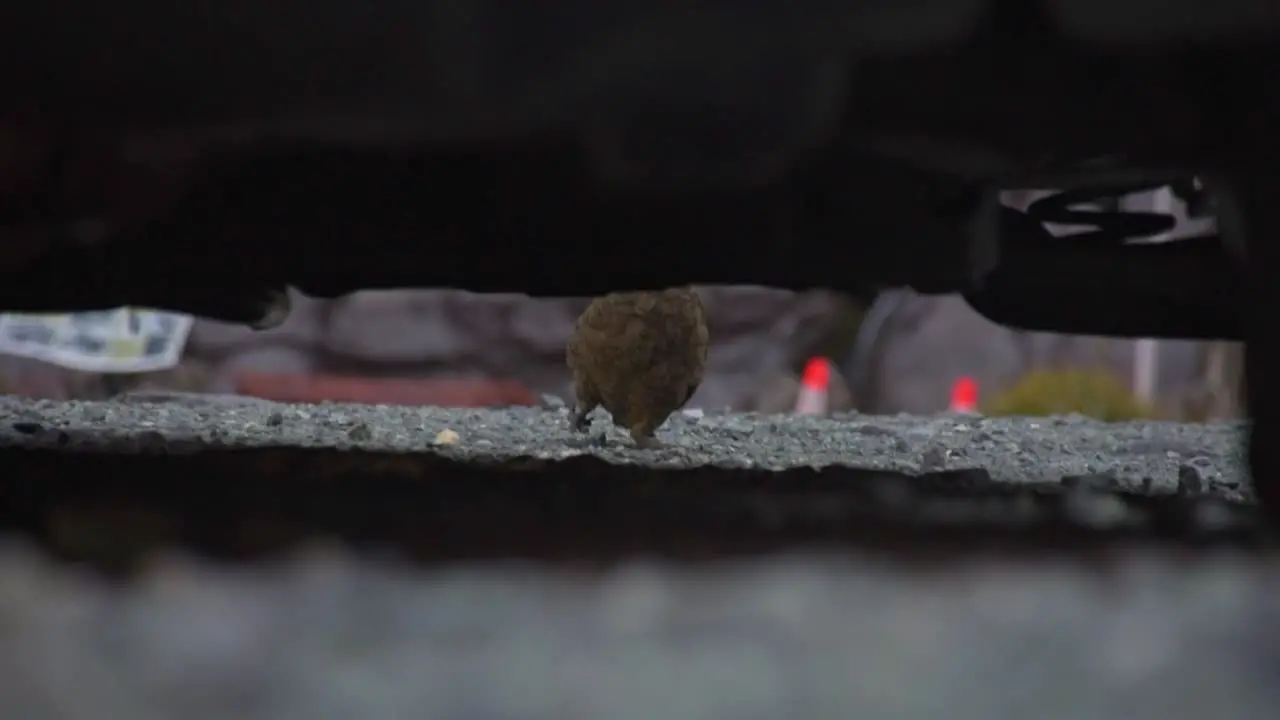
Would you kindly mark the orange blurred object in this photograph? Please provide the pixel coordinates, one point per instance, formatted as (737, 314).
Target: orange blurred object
(297, 388)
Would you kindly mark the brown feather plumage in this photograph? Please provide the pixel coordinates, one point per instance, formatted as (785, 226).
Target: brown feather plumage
(640, 356)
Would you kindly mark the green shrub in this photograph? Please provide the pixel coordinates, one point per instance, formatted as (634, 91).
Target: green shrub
(1093, 392)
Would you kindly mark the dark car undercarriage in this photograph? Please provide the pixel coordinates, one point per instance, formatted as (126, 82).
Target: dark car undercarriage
(204, 158)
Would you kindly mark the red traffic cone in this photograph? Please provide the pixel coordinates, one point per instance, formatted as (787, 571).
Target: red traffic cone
(815, 385)
(964, 395)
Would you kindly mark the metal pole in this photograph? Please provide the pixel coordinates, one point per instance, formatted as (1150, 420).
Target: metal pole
(1146, 352)
(1146, 366)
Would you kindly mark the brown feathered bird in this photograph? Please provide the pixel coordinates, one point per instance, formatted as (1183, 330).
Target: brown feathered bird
(640, 356)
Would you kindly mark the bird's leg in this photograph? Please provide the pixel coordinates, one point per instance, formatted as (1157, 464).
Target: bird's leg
(585, 400)
(644, 438)
(581, 412)
(645, 417)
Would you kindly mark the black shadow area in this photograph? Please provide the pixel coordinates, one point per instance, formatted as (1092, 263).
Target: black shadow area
(112, 510)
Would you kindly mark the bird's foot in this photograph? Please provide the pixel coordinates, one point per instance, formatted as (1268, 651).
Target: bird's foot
(647, 442)
(580, 420)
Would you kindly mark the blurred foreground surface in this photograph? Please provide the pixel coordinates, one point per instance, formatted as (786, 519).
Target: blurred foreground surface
(794, 636)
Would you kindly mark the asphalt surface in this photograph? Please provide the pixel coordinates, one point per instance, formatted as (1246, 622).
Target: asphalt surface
(1140, 456)
(1145, 632)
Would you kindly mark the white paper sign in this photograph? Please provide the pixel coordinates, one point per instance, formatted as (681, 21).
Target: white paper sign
(122, 340)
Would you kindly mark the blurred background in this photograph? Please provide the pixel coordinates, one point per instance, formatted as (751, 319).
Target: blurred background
(895, 351)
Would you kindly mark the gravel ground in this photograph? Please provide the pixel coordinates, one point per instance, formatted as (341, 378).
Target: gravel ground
(1142, 456)
(788, 637)
(1154, 635)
